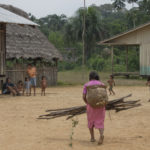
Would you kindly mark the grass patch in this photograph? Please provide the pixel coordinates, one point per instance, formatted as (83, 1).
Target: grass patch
(78, 77)
(62, 83)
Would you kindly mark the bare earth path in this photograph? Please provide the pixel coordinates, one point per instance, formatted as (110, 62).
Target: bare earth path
(20, 130)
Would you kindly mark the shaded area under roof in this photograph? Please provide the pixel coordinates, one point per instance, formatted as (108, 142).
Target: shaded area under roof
(9, 17)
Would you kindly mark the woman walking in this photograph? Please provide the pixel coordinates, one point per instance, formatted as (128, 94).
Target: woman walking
(95, 116)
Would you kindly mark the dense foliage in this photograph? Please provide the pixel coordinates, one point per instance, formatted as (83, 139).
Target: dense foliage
(101, 22)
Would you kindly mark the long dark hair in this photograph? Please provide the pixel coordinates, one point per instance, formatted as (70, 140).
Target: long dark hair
(94, 76)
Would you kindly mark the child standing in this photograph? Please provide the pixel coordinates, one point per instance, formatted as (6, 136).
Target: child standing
(111, 83)
(148, 81)
(20, 86)
(148, 84)
(27, 86)
(43, 85)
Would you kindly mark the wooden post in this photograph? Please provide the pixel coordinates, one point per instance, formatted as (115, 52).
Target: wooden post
(126, 58)
(1, 86)
(112, 59)
(56, 70)
(83, 37)
(83, 41)
(2, 51)
(2, 48)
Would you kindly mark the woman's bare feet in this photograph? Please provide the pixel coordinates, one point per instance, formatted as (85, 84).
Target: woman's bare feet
(101, 140)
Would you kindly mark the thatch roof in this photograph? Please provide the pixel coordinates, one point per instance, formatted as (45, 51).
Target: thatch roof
(26, 41)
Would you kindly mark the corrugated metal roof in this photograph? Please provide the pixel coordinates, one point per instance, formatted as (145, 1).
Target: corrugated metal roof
(124, 33)
(9, 17)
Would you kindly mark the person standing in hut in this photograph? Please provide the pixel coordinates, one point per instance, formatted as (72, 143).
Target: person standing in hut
(31, 71)
(95, 116)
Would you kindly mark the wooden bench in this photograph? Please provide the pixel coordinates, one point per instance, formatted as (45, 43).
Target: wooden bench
(126, 74)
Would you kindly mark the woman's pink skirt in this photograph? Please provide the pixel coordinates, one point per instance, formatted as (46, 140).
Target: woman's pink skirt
(95, 117)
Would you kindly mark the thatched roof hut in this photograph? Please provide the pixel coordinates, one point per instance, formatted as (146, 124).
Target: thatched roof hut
(26, 41)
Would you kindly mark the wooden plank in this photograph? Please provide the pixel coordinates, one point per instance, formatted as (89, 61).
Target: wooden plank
(126, 58)
(17, 74)
(2, 48)
(112, 59)
(56, 71)
(126, 73)
(2, 51)
(15, 70)
(119, 44)
(2, 86)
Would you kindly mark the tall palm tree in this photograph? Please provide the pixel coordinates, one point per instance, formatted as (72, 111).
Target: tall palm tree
(93, 24)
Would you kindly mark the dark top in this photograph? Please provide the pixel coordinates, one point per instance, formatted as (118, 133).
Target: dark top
(5, 88)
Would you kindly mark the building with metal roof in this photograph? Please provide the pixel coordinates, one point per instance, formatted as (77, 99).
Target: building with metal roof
(7, 17)
(21, 38)
(139, 36)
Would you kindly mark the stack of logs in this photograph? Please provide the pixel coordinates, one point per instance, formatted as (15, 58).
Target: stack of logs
(117, 105)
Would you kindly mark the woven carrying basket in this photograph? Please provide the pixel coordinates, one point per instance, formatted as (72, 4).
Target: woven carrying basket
(96, 96)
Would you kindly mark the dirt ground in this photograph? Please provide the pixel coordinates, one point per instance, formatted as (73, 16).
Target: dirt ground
(20, 130)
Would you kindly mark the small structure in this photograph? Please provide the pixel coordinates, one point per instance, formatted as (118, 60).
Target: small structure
(7, 17)
(139, 36)
(23, 42)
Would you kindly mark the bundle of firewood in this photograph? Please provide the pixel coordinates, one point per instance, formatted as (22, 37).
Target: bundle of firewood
(117, 105)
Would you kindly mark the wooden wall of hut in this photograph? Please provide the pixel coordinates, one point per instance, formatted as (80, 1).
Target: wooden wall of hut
(18, 72)
(2, 48)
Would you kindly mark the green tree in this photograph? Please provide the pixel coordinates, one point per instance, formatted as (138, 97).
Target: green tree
(94, 28)
(119, 4)
(144, 5)
(101, 22)
(57, 39)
